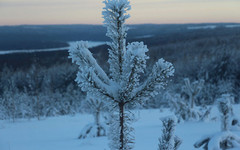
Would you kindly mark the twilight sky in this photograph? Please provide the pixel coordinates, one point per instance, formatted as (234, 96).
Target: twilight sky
(15, 12)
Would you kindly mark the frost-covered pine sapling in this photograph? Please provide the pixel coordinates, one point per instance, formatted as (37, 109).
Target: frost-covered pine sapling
(225, 108)
(122, 86)
(229, 120)
(183, 110)
(169, 141)
(193, 89)
(224, 139)
(96, 129)
(179, 106)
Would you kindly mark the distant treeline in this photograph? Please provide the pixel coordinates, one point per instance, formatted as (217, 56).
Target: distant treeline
(54, 36)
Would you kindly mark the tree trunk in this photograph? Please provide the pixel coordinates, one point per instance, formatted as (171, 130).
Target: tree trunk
(121, 119)
(192, 106)
(14, 112)
(192, 101)
(97, 115)
(38, 108)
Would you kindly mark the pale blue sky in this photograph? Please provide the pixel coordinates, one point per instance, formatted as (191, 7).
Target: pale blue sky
(14, 12)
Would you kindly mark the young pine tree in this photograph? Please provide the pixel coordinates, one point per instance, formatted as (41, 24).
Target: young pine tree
(94, 106)
(192, 90)
(226, 110)
(122, 86)
(187, 108)
(169, 141)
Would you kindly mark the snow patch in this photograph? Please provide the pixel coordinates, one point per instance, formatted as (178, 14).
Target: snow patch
(144, 36)
(232, 26)
(202, 27)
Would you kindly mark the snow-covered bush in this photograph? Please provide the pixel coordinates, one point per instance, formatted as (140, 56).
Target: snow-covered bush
(187, 106)
(192, 90)
(226, 110)
(229, 120)
(169, 141)
(41, 91)
(126, 64)
(94, 106)
(14, 105)
(183, 110)
(13, 102)
(208, 94)
(225, 139)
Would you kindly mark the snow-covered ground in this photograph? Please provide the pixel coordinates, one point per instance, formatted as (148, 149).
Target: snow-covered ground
(91, 45)
(60, 133)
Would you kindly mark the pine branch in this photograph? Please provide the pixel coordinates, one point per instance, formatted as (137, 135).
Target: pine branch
(115, 16)
(169, 141)
(88, 82)
(156, 80)
(134, 64)
(80, 54)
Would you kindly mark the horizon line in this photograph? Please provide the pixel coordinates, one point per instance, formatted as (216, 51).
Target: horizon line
(126, 24)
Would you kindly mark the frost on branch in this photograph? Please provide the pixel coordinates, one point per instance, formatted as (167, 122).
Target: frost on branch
(169, 141)
(80, 54)
(91, 78)
(134, 64)
(155, 81)
(123, 85)
(115, 15)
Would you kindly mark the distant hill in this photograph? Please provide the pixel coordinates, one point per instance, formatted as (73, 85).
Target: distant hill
(54, 36)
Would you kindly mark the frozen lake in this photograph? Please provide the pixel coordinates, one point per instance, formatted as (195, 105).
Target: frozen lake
(91, 45)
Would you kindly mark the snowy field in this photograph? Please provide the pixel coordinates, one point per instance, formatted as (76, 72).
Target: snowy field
(60, 133)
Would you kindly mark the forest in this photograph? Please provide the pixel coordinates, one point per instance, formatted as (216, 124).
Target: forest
(199, 71)
(213, 58)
